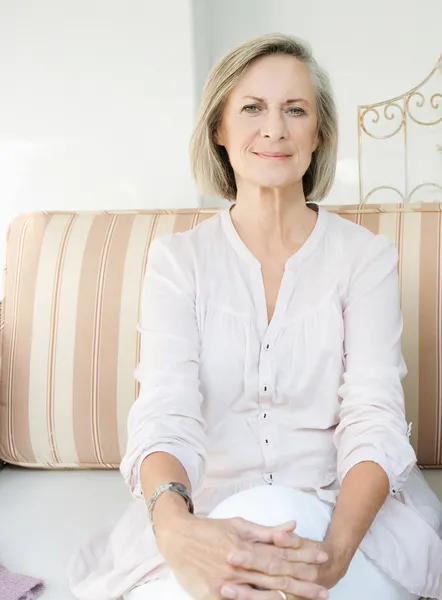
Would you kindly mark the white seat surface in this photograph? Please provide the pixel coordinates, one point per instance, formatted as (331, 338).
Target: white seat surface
(46, 515)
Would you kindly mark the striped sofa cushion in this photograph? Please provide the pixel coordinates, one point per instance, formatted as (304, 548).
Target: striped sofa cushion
(70, 344)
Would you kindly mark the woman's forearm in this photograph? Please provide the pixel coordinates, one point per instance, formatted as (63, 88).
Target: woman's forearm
(363, 492)
(157, 469)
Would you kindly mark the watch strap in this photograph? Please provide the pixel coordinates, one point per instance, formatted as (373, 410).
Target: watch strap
(177, 488)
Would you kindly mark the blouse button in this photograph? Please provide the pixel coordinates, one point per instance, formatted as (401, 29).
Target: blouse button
(268, 477)
(264, 415)
(267, 346)
(266, 388)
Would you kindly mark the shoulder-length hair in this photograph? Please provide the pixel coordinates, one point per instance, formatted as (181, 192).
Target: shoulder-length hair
(210, 163)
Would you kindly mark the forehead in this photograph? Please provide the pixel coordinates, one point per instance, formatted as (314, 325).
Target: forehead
(277, 78)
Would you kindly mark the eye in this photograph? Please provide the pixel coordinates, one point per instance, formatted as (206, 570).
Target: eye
(296, 110)
(251, 108)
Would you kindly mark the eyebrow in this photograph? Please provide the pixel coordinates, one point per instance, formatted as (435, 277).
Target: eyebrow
(290, 101)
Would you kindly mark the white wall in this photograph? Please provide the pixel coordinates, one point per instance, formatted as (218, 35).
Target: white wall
(372, 51)
(96, 106)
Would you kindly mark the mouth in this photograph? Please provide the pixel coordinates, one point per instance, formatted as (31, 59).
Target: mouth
(272, 155)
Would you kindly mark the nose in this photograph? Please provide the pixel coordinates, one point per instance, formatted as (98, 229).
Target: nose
(274, 127)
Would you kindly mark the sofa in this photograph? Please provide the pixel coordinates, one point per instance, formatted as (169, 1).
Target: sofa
(70, 345)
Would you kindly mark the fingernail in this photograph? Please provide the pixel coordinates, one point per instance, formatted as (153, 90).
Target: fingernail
(322, 557)
(323, 595)
(228, 592)
(236, 559)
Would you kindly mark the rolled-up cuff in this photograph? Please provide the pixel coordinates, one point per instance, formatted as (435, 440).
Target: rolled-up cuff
(133, 478)
(396, 472)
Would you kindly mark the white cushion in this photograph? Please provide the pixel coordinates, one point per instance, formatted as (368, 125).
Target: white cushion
(46, 515)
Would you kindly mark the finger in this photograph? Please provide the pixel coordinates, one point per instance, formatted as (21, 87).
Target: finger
(260, 533)
(299, 589)
(239, 592)
(299, 549)
(300, 571)
(290, 527)
(310, 555)
(270, 560)
(245, 592)
(285, 539)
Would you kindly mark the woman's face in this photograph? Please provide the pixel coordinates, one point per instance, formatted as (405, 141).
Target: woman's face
(269, 124)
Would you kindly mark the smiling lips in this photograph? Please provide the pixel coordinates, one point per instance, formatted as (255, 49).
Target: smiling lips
(272, 155)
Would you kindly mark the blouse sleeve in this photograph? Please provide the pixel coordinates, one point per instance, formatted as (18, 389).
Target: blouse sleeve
(372, 423)
(167, 415)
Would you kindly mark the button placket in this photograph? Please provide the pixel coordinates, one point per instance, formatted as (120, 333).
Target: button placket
(269, 451)
(265, 373)
(266, 440)
(265, 436)
(265, 400)
(269, 478)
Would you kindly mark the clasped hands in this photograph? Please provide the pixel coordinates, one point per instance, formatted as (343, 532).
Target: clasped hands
(238, 560)
(300, 568)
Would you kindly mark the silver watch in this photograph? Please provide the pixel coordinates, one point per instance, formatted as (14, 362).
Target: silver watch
(178, 488)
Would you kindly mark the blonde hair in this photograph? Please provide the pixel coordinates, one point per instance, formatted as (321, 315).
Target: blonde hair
(210, 163)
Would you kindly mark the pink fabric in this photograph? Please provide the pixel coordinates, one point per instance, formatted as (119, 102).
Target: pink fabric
(19, 587)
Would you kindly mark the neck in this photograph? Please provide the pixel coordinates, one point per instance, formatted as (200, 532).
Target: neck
(281, 217)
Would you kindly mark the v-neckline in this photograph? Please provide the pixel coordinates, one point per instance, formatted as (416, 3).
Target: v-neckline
(240, 247)
(306, 248)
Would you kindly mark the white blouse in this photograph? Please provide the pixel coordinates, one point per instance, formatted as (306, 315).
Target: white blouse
(297, 402)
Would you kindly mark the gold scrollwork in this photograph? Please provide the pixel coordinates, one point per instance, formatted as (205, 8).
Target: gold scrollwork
(382, 187)
(433, 100)
(399, 112)
(409, 199)
(389, 115)
(419, 187)
(420, 103)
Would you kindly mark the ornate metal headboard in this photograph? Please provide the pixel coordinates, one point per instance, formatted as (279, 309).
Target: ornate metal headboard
(400, 145)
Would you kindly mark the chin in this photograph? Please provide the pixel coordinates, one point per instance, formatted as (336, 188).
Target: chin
(273, 178)
(274, 182)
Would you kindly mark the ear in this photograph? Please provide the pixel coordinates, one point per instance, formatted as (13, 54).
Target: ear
(217, 138)
(316, 141)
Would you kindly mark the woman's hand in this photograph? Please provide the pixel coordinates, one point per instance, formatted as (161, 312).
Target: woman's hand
(330, 572)
(200, 553)
(289, 567)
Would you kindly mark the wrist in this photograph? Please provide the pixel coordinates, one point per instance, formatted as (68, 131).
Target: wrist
(173, 487)
(340, 553)
(170, 511)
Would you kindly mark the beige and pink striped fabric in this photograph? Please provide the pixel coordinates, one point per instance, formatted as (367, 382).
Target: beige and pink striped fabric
(71, 306)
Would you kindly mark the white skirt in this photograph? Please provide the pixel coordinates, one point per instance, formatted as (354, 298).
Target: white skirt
(273, 505)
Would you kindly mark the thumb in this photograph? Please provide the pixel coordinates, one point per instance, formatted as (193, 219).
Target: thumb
(261, 533)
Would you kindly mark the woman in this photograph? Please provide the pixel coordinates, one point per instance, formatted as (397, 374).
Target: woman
(270, 376)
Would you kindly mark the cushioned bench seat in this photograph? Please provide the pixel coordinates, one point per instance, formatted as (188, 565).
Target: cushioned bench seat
(69, 346)
(46, 515)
